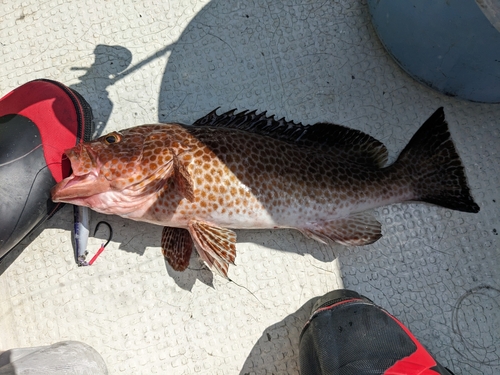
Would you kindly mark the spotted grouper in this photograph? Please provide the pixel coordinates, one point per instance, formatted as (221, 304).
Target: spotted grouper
(250, 171)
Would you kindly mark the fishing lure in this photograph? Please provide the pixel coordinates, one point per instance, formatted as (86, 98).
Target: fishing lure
(81, 234)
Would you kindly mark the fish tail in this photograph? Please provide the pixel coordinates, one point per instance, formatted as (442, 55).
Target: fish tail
(438, 176)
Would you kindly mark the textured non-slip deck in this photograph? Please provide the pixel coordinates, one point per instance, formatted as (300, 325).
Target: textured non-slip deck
(142, 62)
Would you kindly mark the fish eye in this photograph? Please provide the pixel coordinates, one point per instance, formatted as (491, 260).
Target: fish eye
(112, 138)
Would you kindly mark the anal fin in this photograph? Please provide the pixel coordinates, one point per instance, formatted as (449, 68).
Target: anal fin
(216, 245)
(176, 246)
(356, 230)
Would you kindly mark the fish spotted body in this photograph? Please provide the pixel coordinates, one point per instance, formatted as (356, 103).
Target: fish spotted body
(249, 171)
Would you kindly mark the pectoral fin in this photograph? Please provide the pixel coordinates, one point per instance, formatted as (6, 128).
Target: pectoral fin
(176, 246)
(356, 230)
(216, 245)
(183, 179)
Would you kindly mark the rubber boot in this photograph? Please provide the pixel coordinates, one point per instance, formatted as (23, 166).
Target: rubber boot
(62, 358)
(38, 121)
(348, 334)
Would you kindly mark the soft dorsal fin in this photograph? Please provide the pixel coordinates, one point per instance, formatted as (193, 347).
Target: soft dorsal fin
(326, 137)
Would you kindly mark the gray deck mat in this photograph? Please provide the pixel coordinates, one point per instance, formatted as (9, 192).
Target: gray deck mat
(149, 61)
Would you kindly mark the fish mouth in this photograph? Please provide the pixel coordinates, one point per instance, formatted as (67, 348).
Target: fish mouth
(74, 187)
(81, 184)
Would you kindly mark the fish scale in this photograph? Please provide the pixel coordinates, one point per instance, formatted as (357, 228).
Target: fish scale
(218, 193)
(250, 171)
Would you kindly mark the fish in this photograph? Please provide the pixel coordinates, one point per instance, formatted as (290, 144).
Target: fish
(248, 170)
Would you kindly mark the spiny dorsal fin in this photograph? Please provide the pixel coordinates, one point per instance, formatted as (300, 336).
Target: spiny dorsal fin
(325, 137)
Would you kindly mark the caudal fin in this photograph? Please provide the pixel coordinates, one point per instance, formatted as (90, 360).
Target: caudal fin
(438, 173)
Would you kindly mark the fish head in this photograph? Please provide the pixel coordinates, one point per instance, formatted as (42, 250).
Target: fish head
(124, 165)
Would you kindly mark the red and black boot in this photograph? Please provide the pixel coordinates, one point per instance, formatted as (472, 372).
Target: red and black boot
(348, 334)
(38, 121)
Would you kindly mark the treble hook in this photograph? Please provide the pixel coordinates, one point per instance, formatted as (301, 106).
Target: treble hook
(101, 249)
